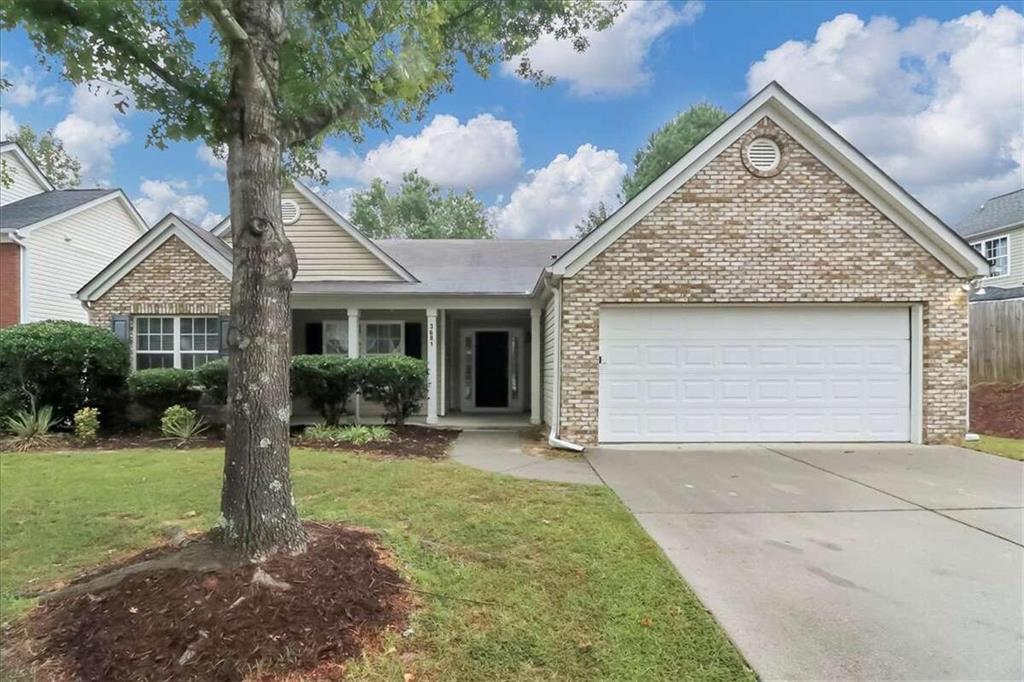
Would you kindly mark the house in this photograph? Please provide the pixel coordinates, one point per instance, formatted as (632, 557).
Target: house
(772, 285)
(996, 230)
(52, 241)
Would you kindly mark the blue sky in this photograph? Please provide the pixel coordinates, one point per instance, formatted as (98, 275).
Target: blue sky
(931, 91)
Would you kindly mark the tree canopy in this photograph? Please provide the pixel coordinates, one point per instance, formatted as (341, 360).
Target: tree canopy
(595, 217)
(419, 209)
(669, 143)
(47, 151)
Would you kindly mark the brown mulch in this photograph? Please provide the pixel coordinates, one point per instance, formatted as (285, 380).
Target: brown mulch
(998, 410)
(176, 624)
(405, 441)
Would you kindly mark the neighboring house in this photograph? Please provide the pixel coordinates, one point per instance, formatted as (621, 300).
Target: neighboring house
(52, 241)
(996, 230)
(772, 285)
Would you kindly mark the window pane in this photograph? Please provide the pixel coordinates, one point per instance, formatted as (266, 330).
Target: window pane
(168, 324)
(151, 360)
(186, 325)
(143, 343)
(168, 342)
(142, 325)
(193, 360)
(186, 343)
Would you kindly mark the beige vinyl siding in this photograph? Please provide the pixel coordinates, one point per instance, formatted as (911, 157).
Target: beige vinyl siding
(326, 252)
(23, 184)
(1015, 277)
(64, 255)
(548, 361)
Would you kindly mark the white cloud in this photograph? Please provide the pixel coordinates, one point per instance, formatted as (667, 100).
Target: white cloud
(615, 62)
(160, 197)
(8, 124)
(25, 87)
(92, 130)
(550, 202)
(482, 153)
(938, 105)
(205, 154)
(340, 199)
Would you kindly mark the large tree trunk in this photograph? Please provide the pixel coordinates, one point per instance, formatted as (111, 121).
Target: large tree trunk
(258, 514)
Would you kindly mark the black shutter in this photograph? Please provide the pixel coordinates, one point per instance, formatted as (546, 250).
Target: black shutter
(119, 325)
(223, 336)
(414, 340)
(314, 338)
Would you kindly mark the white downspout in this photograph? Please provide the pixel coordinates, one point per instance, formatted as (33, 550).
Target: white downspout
(556, 393)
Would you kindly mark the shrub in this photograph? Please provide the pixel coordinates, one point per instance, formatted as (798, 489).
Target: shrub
(63, 364)
(213, 378)
(87, 424)
(158, 388)
(182, 424)
(359, 435)
(31, 429)
(397, 382)
(328, 381)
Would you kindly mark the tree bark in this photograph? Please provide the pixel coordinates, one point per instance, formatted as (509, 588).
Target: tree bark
(258, 514)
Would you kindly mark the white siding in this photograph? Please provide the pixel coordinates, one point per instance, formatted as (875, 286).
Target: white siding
(548, 361)
(24, 185)
(1015, 277)
(64, 255)
(326, 252)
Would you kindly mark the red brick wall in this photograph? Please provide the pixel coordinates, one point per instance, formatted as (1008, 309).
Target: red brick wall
(10, 284)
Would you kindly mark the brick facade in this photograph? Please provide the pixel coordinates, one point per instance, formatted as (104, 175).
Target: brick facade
(800, 235)
(10, 284)
(173, 280)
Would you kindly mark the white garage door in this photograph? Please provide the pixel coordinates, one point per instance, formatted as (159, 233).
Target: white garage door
(759, 373)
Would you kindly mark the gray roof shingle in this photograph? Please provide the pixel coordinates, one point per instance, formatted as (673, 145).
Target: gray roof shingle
(31, 210)
(216, 242)
(1001, 211)
(457, 266)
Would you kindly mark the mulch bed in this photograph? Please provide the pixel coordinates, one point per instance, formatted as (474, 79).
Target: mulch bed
(176, 624)
(406, 441)
(998, 410)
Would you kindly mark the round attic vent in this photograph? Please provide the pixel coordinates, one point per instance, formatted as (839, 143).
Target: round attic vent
(289, 211)
(763, 154)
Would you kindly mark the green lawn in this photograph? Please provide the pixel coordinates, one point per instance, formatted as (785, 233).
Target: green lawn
(573, 588)
(994, 445)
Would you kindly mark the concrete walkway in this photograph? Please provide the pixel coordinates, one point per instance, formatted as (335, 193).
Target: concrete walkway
(501, 451)
(842, 562)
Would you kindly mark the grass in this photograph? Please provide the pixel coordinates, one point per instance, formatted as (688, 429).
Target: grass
(1012, 448)
(564, 584)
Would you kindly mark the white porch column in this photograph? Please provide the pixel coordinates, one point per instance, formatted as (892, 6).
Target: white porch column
(432, 365)
(535, 343)
(442, 370)
(353, 344)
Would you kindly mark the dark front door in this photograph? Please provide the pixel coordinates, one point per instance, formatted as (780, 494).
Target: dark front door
(491, 369)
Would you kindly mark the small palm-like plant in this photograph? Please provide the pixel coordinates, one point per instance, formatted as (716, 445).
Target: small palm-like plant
(182, 424)
(31, 429)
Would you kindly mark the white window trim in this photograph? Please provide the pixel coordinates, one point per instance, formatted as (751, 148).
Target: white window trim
(983, 247)
(362, 336)
(323, 335)
(176, 352)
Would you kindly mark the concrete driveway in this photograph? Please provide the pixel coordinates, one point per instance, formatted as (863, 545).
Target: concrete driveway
(842, 561)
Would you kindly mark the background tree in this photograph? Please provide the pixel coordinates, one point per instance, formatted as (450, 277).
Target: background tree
(47, 151)
(419, 210)
(669, 143)
(283, 74)
(595, 217)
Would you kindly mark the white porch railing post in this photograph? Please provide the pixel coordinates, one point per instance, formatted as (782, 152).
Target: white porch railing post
(353, 344)
(535, 343)
(432, 365)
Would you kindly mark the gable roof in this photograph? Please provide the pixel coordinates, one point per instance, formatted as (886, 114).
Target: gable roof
(26, 212)
(222, 228)
(213, 250)
(500, 267)
(1001, 212)
(827, 145)
(9, 147)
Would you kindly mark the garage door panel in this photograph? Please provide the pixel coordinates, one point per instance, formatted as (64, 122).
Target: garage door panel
(813, 385)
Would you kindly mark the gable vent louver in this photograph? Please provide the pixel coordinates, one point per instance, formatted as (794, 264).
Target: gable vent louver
(763, 154)
(289, 211)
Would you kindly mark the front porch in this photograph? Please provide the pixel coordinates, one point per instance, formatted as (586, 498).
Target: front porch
(484, 362)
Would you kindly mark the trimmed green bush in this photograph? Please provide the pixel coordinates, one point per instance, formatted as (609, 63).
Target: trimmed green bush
(158, 388)
(397, 382)
(328, 381)
(87, 424)
(213, 378)
(66, 365)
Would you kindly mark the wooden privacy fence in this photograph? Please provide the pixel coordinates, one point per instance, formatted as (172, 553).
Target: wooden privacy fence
(997, 341)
